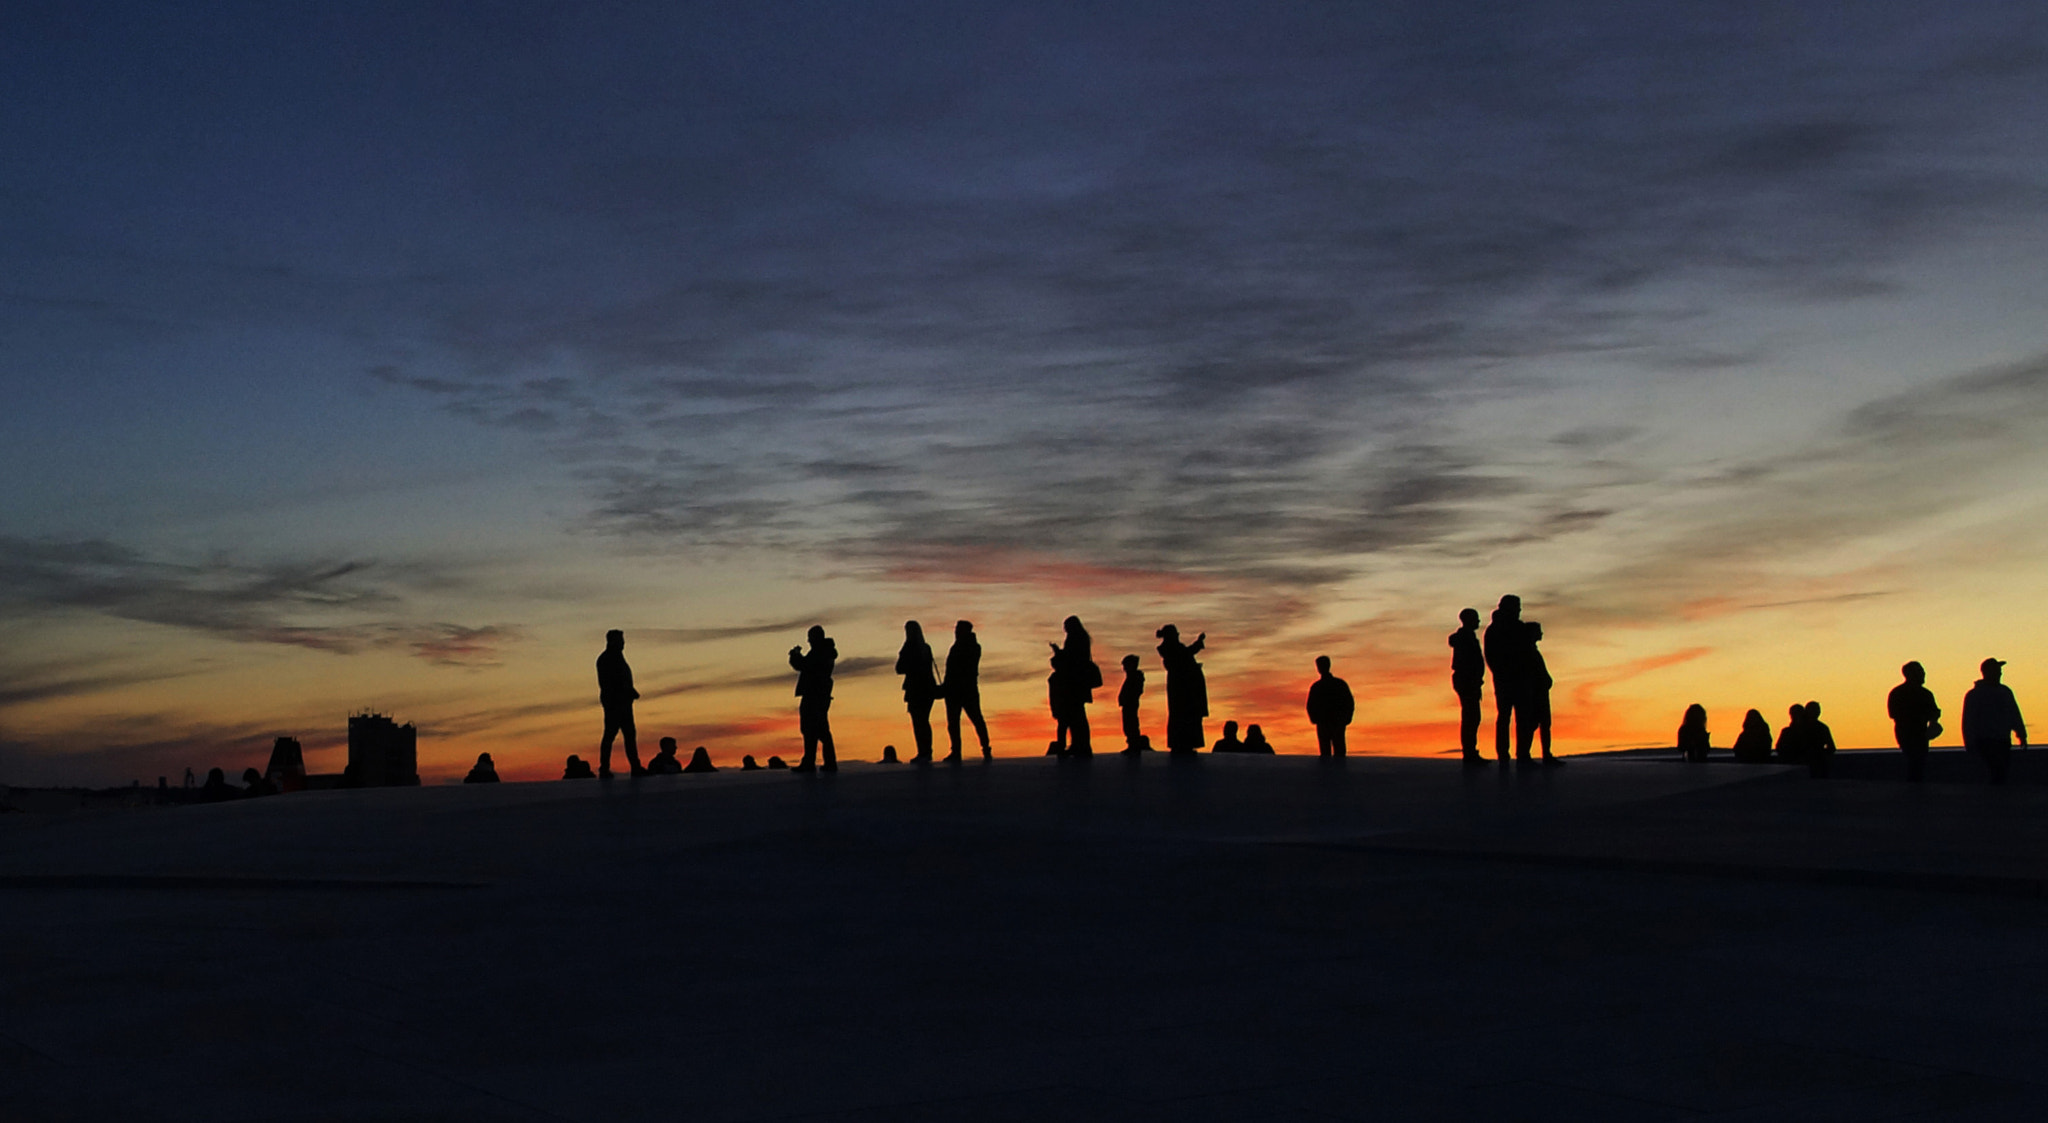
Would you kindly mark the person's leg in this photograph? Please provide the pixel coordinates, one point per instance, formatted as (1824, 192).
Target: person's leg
(972, 705)
(604, 750)
(1468, 724)
(1337, 741)
(1503, 714)
(1081, 745)
(1525, 729)
(1322, 740)
(1131, 730)
(825, 736)
(632, 740)
(952, 727)
(921, 729)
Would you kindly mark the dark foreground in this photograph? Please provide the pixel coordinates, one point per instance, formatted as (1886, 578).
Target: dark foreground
(1231, 940)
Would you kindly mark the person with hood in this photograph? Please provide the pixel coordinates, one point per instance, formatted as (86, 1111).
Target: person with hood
(1330, 709)
(1991, 715)
(1753, 744)
(920, 687)
(963, 689)
(1506, 645)
(1915, 719)
(1187, 691)
(814, 690)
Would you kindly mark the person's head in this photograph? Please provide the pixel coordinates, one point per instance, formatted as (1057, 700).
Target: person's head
(816, 635)
(1511, 607)
(1130, 662)
(251, 776)
(1812, 710)
(913, 632)
(216, 776)
(1230, 731)
(1992, 669)
(1254, 733)
(613, 640)
(1535, 632)
(483, 760)
(1073, 626)
(1753, 718)
(668, 746)
(1696, 716)
(1469, 617)
(1167, 631)
(1322, 664)
(1914, 672)
(963, 629)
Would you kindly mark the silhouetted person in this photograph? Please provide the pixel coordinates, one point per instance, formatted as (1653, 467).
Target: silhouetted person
(1914, 717)
(1228, 743)
(1991, 715)
(1753, 744)
(256, 785)
(665, 762)
(1255, 741)
(814, 691)
(748, 764)
(700, 761)
(1693, 742)
(775, 762)
(1507, 651)
(1128, 698)
(576, 768)
(216, 789)
(1330, 709)
(963, 689)
(616, 694)
(1820, 743)
(483, 771)
(1792, 739)
(920, 687)
(1072, 686)
(190, 780)
(1468, 681)
(1538, 695)
(888, 755)
(1187, 691)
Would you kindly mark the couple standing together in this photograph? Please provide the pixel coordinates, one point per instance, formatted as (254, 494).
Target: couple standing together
(1521, 682)
(961, 688)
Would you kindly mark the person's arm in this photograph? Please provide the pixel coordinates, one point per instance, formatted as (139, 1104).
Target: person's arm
(2019, 724)
(796, 659)
(1200, 642)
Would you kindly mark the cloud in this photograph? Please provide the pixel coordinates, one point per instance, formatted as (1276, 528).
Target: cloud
(311, 604)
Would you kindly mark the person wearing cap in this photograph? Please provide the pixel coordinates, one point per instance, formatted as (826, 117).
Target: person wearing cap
(1990, 717)
(1914, 719)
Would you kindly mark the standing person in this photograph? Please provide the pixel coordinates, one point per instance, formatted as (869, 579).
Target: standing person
(1468, 680)
(963, 689)
(1991, 715)
(814, 691)
(1330, 709)
(1072, 687)
(1187, 691)
(920, 687)
(1914, 717)
(616, 694)
(1820, 743)
(1538, 699)
(1127, 700)
(1693, 741)
(1506, 646)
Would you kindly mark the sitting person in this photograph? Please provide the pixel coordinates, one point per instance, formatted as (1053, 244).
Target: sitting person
(889, 755)
(665, 762)
(1228, 743)
(1693, 741)
(1820, 743)
(256, 784)
(217, 787)
(1255, 741)
(777, 762)
(700, 761)
(577, 769)
(484, 773)
(1753, 744)
(1792, 739)
(749, 764)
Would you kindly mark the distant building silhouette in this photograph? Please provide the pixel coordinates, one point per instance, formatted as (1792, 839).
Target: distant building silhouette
(382, 753)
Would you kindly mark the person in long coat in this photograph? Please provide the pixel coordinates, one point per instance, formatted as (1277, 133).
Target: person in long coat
(1187, 692)
(920, 687)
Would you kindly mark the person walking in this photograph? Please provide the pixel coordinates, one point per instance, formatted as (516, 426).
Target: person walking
(920, 687)
(1991, 715)
(963, 690)
(1915, 719)
(1187, 691)
(1468, 681)
(615, 694)
(1330, 709)
(814, 693)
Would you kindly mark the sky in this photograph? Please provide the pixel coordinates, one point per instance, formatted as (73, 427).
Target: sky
(383, 356)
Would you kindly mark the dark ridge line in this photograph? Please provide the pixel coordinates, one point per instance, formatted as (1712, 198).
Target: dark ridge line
(184, 882)
(1996, 885)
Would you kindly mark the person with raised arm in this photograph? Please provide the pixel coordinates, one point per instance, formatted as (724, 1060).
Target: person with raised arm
(1187, 691)
(814, 692)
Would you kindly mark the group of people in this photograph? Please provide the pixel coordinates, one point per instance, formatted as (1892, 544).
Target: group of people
(1521, 684)
(1991, 718)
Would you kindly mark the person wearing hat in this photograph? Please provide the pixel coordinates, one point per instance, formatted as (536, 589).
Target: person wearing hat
(1990, 717)
(1915, 719)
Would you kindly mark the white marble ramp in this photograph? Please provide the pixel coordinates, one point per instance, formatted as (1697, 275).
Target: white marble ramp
(1220, 939)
